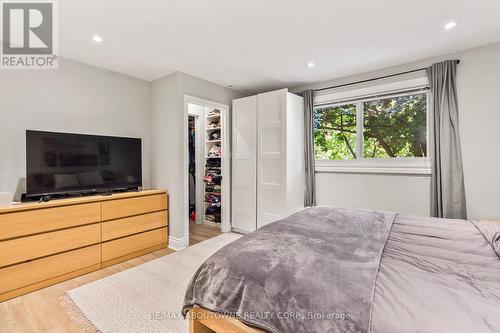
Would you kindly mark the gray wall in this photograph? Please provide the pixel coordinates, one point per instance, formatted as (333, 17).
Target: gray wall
(84, 99)
(74, 98)
(167, 154)
(479, 104)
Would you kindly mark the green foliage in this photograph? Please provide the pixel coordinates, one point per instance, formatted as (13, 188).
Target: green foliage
(393, 127)
(335, 132)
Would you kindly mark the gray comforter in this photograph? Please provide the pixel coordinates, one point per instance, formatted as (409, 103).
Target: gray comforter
(437, 275)
(337, 270)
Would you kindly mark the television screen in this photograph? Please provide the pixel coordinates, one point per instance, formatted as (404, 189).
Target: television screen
(61, 163)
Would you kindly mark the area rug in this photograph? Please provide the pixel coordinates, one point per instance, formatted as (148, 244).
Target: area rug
(146, 298)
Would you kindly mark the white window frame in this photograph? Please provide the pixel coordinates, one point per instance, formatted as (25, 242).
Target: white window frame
(394, 165)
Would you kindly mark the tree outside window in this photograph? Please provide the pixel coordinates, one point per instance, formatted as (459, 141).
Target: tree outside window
(392, 127)
(335, 132)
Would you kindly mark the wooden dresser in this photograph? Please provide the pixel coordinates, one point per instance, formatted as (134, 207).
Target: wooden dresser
(45, 243)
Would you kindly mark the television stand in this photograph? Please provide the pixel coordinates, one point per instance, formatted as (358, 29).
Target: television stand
(42, 244)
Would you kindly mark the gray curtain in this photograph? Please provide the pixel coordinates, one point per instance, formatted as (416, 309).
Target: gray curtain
(447, 180)
(310, 190)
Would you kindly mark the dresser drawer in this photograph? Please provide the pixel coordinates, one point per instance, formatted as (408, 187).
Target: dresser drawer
(31, 247)
(133, 225)
(127, 245)
(47, 219)
(115, 209)
(24, 274)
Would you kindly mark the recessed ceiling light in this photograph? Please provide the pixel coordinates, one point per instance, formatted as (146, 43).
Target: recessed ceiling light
(450, 25)
(310, 64)
(97, 39)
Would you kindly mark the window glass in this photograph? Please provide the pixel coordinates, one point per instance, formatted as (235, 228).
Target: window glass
(335, 132)
(391, 127)
(395, 127)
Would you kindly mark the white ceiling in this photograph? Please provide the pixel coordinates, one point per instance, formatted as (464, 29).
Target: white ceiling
(261, 44)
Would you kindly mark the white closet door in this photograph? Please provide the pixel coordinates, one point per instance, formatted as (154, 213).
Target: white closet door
(244, 175)
(271, 150)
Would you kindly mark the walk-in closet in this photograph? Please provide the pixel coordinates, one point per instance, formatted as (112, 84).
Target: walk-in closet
(208, 167)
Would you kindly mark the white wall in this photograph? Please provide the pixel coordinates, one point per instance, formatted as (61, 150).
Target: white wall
(400, 193)
(479, 107)
(168, 129)
(479, 103)
(74, 98)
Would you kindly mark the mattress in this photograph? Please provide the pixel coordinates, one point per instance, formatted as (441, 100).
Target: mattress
(374, 271)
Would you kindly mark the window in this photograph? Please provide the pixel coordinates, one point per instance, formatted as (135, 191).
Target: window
(373, 132)
(335, 132)
(395, 127)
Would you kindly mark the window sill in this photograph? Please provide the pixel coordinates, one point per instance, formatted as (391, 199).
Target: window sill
(406, 166)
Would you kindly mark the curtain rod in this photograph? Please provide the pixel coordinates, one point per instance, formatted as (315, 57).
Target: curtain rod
(376, 78)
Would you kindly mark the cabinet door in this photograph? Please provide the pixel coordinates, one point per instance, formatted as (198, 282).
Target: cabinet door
(271, 156)
(244, 169)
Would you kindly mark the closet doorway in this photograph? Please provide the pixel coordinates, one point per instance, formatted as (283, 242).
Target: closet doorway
(192, 133)
(207, 175)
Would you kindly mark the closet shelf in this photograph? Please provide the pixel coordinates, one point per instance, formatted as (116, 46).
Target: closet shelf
(214, 116)
(213, 167)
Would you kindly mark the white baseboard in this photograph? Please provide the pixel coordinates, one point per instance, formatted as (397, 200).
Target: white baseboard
(177, 243)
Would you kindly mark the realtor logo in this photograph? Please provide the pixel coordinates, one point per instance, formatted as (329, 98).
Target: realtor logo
(28, 35)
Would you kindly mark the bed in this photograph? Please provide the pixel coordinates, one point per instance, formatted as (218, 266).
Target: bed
(341, 270)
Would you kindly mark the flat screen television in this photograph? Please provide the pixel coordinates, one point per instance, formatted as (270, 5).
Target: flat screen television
(68, 164)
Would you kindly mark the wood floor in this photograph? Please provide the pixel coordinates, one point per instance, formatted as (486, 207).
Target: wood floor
(201, 232)
(43, 311)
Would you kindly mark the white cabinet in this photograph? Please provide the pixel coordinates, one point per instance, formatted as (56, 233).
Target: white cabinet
(268, 163)
(244, 164)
